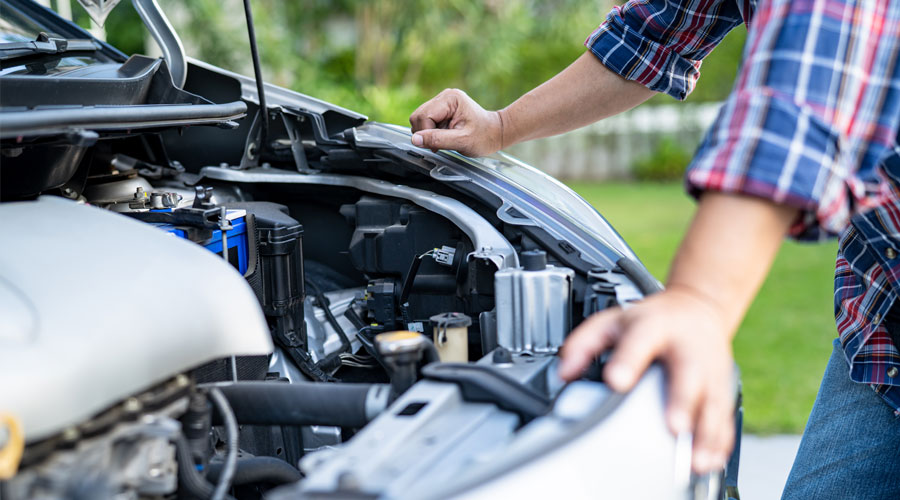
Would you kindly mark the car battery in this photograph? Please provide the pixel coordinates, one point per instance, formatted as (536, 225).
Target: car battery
(235, 238)
(278, 279)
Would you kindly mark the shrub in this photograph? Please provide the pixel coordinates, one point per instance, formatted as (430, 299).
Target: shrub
(667, 162)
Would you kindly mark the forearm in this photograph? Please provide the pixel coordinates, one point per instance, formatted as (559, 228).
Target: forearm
(581, 94)
(728, 251)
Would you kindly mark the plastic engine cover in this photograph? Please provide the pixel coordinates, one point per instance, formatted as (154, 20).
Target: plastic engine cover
(95, 307)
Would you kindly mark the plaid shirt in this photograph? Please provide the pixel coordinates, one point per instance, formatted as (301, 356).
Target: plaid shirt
(812, 122)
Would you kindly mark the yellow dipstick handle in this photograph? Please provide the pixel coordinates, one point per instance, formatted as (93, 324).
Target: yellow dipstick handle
(12, 444)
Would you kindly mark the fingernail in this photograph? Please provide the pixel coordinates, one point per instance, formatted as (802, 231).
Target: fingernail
(417, 140)
(618, 376)
(678, 421)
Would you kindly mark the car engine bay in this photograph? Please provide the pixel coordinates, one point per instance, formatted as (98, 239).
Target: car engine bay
(363, 288)
(294, 305)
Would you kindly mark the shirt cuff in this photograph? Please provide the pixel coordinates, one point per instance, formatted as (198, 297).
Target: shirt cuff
(763, 144)
(640, 59)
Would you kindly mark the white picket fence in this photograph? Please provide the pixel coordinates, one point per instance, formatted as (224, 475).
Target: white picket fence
(609, 148)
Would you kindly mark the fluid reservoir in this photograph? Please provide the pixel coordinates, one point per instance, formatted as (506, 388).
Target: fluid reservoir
(451, 336)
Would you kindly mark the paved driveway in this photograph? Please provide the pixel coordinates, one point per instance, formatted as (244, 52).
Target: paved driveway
(765, 464)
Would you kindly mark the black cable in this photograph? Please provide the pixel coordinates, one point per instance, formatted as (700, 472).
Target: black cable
(410, 278)
(643, 280)
(406, 288)
(231, 431)
(324, 303)
(257, 73)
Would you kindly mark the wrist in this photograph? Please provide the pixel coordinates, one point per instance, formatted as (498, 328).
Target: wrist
(506, 129)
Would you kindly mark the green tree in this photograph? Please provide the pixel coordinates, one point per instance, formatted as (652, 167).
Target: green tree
(385, 58)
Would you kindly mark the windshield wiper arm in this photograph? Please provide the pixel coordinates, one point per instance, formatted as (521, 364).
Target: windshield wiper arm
(45, 44)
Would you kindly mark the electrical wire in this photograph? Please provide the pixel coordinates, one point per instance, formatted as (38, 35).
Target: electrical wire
(231, 431)
(359, 361)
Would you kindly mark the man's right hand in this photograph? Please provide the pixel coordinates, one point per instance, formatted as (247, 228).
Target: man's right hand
(453, 120)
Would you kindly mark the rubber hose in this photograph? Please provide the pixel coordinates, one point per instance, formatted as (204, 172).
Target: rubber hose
(191, 484)
(299, 403)
(269, 470)
(231, 429)
(643, 280)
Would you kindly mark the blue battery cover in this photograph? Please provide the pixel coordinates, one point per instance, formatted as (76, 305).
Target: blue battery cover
(236, 238)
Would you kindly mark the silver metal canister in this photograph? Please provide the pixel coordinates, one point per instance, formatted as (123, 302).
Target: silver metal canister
(534, 305)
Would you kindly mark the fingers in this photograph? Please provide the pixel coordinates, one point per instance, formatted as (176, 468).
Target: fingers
(714, 432)
(639, 346)
(435, 139)
(697, 357)
(438, 110)
(593, 336)
(685, 390)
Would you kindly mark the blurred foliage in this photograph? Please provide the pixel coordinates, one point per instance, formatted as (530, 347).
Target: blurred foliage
(386, 57)
(667, 162)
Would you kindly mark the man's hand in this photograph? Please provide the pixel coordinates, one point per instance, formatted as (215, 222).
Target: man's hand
(583, 93)
(720, 265)
(453, 120)
(685, 331)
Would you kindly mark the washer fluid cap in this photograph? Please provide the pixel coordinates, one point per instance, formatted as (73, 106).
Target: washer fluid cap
(534, 260)
(451, 320)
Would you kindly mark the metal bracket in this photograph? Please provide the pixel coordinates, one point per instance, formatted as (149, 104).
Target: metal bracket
(292, 126)
(169, 43)
(511, 215)
(446, 174)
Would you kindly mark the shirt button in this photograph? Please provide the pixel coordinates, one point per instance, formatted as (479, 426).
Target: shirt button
(876, 319)
(892, 372)
(890, 253)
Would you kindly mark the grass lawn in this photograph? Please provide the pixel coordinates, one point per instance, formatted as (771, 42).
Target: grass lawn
(785, 340)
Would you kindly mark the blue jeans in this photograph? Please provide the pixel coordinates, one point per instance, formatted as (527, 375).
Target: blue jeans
(851, 446)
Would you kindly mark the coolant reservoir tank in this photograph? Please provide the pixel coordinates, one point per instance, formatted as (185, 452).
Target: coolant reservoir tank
(534, 305)
(451, 336)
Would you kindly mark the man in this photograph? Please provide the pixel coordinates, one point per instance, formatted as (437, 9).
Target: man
(814, 110)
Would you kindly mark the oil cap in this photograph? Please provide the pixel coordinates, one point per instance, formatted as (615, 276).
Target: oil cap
(400, 342)
(534, 260)
(401, 352)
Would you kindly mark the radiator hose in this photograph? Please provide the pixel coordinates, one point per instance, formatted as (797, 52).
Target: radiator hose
(304, 403)
(252, 470)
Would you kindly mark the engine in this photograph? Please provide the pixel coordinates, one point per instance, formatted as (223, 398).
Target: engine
(359, 292)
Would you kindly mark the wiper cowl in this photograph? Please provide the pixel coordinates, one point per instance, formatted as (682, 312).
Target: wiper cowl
(45, 44)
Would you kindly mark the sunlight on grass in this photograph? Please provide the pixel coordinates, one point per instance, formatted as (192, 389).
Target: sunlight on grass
(785, 340)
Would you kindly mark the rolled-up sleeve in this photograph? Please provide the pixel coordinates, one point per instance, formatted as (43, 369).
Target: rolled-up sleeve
(660, 43)
(815, 105)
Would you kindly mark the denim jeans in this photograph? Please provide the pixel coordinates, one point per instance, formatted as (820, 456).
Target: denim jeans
(851, 446)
